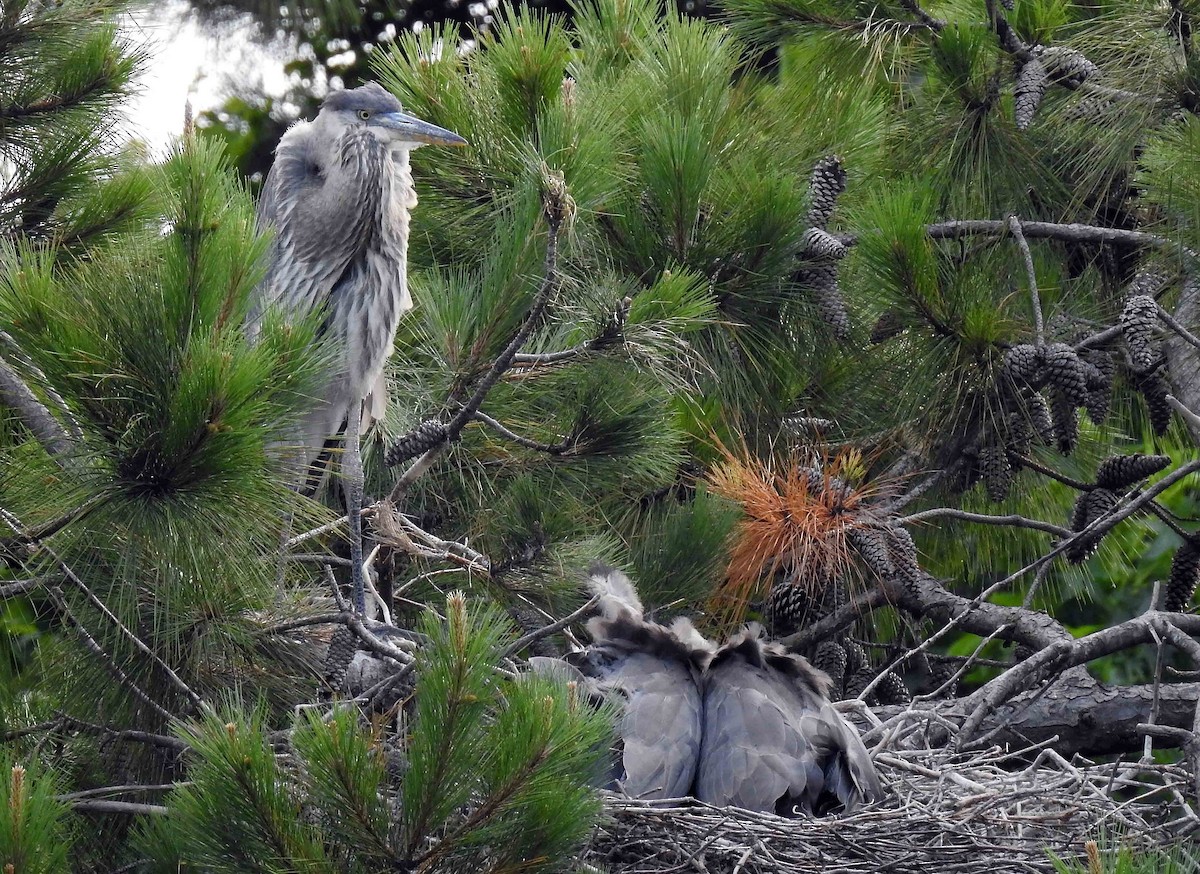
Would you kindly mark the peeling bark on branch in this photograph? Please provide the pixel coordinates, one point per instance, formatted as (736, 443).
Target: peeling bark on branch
(1084, 715)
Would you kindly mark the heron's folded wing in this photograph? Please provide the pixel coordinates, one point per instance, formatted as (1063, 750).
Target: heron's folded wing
(318, 228)
(661, 727)
(751, 756)
(851, 773)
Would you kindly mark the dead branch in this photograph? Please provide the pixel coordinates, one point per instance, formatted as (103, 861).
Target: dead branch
(545, 631)
(556, 209)
(1011, 520)
(1063, 654)
(1039, 329)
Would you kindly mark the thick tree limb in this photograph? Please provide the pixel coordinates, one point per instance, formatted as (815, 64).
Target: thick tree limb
(1064, 232)
(14, 393)
(129, 808)
(1183, 359)
(1077, 715)
(1063, 654)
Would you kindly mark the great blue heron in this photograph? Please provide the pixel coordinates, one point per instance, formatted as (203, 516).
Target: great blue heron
(338, 199)
(653, 673)
(772, 740)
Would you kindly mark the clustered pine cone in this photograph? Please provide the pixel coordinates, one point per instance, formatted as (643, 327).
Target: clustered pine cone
(940, 674)
(1099, 370)
(1089, 507)
(1065, 371)
(996, 471)
(820, 250)
(788, 607)
(342, 647)
(1023, 363)
(1065, 418)
(1030, 88)
(1185, 574)
(825, 186)
(819, 244)
(1138, 321)
(891, 689)
(830, 657)
(424, 437)
(872, 546)
(821, 281)
(1066, 64)
(1153, 388)
(1121, 471)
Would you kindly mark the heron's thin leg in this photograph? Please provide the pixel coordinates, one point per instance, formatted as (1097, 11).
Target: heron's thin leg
(352, 483)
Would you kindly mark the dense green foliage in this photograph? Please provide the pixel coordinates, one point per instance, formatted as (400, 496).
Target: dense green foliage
(490, 775)
(696, 320)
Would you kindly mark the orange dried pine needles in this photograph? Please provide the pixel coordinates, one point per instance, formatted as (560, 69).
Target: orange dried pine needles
(797, 514)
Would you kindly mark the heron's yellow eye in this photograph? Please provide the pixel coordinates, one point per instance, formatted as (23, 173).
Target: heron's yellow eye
(364, 114)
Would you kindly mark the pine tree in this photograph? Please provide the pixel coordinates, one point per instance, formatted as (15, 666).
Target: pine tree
(678, 220)
(66, 74)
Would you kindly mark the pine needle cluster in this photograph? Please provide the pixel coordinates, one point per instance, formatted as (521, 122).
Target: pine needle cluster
(486, 774)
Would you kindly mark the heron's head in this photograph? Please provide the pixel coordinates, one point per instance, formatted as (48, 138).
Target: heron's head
(375, 109)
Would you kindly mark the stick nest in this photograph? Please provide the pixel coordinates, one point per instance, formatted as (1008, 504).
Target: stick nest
(953, 813)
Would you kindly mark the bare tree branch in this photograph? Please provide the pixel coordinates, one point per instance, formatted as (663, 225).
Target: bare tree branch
(1039, 327)
(138, 643)
(44, 427)
(508, 434)
(129, 808)
(1011, 520)
(1071, 652)
(554, 212)
(60, 602)
(1179, 329)
(517, 645)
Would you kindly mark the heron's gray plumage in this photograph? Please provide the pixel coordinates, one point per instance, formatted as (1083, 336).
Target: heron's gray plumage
(772, 739)
(338, 200)
(653, 674)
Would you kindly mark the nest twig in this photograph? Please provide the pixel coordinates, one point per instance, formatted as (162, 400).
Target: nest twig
(953, 813)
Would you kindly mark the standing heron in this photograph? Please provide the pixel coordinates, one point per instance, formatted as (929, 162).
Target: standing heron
(338, 200)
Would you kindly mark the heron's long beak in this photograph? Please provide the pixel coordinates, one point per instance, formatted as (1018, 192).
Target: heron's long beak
(416, 131)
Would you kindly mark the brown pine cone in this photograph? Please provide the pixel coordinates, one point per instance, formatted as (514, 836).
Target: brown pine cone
(1089, 507)
(1121, 471)
(1027, 95)
(1138, 321)
(830, 657)
(825, 186)
(996, 471)
(1185, 574)
(1154, 390)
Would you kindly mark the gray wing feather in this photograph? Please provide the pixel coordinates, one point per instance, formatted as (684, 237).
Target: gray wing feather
(320, 219)
(772, 743)
(660, 726)
(749, 758)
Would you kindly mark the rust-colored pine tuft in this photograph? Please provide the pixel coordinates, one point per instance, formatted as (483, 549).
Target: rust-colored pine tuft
(797, 513)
